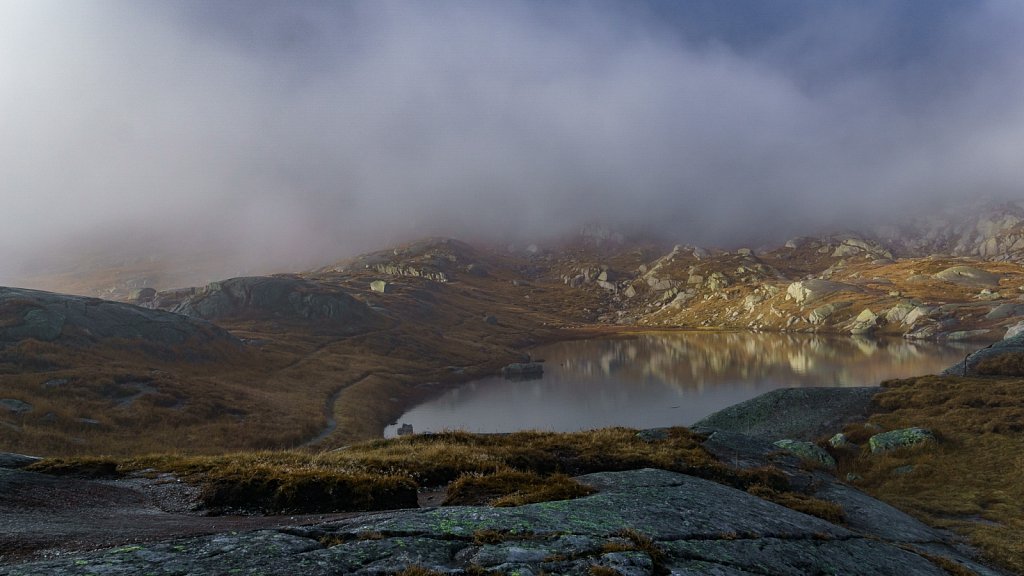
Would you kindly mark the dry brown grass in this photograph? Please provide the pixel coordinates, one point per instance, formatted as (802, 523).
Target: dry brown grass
(271, 395)
(969, 481)
(1011, 364)
(503, 470)
(513, 488)
(801, 503)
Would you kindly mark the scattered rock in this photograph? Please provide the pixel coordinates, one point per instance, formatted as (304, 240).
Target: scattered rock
(491, 320)
(840, 441)
(379, 286)
(902, 438)
(807, 451)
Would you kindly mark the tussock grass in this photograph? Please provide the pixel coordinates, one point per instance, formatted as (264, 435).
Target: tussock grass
(513, 488)
(823, 509)
(500, 469)
(968, 481)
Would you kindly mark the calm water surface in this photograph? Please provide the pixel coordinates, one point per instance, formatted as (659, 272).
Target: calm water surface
(670, 379)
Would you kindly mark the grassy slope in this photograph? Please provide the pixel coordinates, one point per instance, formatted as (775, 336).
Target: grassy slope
(970, 480)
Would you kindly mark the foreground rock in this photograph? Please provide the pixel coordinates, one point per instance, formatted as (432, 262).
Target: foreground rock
(639, 522)
(46, 316)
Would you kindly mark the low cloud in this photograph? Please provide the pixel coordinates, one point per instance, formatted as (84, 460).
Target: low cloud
(296, 133)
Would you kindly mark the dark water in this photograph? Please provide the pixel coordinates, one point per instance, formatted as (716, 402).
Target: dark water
(669, 379)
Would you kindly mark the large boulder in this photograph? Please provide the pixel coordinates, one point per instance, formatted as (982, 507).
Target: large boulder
(821, 313)
(969, 277)
(902, 438)
(47, 316)
(276, 297)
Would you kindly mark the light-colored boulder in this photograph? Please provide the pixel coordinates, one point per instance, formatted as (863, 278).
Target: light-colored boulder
(902, 438)
(806, 291)
(864, 323)
(808, 451)
(916, 314)
(819, 314)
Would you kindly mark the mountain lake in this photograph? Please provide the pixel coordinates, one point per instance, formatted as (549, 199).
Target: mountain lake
(670, 379)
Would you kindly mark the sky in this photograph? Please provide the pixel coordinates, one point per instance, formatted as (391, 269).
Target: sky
(289, 132)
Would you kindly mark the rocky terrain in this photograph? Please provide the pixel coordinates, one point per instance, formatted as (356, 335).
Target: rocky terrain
(321, 359)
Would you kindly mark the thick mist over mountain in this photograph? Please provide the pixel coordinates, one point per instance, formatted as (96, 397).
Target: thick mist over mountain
(294, 133)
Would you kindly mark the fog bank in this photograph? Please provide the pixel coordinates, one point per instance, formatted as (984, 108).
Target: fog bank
(300, 132)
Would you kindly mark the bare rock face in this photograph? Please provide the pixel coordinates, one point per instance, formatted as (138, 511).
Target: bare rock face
(47, 316)
(276, 297)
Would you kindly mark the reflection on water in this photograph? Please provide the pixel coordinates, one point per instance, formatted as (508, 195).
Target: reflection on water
(670, 379)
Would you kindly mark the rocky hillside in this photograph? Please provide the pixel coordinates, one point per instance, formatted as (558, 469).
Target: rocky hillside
(47, 317)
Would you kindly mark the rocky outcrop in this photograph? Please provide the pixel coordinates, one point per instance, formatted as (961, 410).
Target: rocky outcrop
(969, 367)
(798, 413)
(277, 297)
(46, 316)
(639, 522)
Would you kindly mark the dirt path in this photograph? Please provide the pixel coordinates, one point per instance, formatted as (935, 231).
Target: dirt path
(43, 516)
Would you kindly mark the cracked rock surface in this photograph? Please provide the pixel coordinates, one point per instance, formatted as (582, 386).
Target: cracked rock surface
(639, 522)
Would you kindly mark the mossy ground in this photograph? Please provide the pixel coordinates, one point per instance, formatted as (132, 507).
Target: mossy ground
(968, 481)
